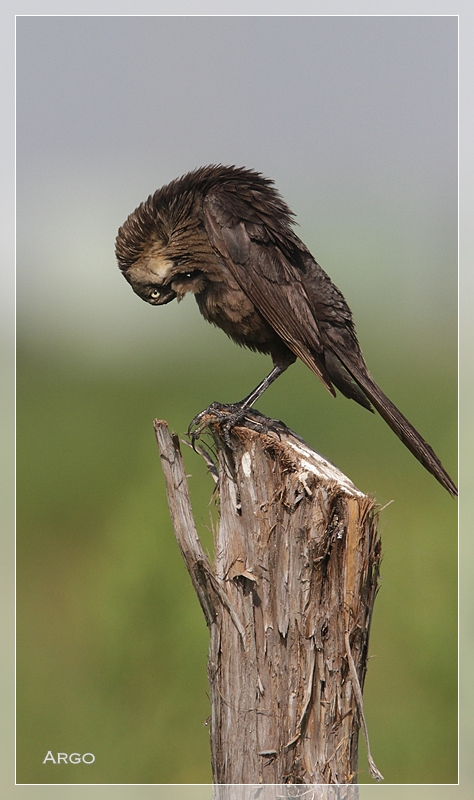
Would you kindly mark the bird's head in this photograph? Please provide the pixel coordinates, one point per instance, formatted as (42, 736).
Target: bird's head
(158, 252)
(159, 277)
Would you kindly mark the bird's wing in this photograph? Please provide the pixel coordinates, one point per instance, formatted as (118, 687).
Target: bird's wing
(254, 252)
(303, 306)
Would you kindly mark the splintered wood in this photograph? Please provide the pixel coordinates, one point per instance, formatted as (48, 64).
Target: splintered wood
(292, 587)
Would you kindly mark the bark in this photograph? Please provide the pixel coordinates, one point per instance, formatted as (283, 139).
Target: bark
(288, 602)
(285, 792)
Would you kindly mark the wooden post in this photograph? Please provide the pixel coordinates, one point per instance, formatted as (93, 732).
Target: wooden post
(285, 792)
(288, 602)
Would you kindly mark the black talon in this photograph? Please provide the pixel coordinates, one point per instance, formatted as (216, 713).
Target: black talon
(226, 414)
(230, 415)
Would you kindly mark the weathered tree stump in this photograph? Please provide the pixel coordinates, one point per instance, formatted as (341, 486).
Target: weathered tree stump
(288, 602)
(285, 792)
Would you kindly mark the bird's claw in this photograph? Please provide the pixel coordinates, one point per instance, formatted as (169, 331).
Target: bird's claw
(228, 415)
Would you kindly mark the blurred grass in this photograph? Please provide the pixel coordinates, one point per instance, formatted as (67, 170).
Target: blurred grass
(112, 645)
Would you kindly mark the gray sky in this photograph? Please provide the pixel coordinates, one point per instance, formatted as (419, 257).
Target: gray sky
(355, 118)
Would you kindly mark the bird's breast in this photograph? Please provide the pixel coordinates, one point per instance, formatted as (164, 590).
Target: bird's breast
(228, 307)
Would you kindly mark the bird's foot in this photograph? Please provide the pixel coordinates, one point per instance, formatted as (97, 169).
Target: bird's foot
(228, 416)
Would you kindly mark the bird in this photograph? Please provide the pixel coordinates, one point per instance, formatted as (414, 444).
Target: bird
(225, 234)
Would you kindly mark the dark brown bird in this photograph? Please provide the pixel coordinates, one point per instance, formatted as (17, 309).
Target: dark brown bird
(225, 234)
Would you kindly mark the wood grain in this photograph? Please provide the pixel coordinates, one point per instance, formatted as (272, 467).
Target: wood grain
(294, 581)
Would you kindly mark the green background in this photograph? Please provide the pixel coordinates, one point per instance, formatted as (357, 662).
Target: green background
(111, 640)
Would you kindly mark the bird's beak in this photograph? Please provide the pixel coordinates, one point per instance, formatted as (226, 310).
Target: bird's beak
(167, 294)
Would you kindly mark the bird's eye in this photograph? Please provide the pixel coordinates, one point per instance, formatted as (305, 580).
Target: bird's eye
(154, 294)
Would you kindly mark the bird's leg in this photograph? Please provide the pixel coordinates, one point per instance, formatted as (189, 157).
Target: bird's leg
(232, 413)
(252, 398)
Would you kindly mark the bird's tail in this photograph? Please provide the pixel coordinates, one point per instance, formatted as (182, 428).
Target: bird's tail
(399, 424)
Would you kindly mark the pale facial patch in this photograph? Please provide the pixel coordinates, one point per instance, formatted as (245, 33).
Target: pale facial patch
(152, 269)
(160, 267)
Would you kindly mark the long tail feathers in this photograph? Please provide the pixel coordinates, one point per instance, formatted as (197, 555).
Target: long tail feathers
(399, 424)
